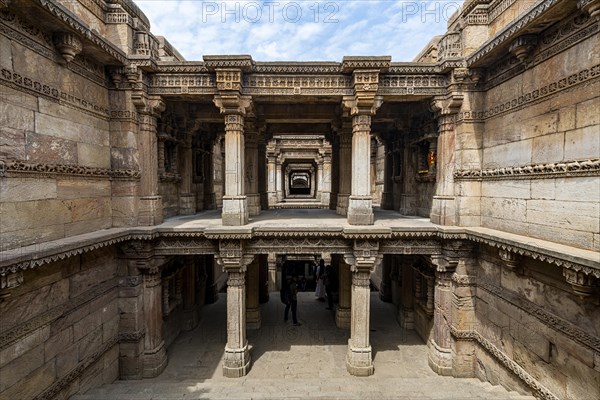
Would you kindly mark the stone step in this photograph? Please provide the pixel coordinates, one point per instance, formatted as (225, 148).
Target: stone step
(335, 388)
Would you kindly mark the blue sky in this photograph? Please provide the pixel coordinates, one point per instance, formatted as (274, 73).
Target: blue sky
(301, 30)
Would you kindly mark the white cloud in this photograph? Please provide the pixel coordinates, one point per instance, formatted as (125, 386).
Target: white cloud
(273, 30)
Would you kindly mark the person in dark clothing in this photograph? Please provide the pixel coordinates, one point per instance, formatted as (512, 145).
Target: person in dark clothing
(291, 292)
(328, 280)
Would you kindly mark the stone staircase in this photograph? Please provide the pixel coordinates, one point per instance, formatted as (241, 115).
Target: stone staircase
(318, 388)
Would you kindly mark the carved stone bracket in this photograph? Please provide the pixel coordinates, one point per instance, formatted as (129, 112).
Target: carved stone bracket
(365, 256)
(592, 7)
(68, 45)
(511, 260)
(8, 282)
(523, 46)
(583, 285)
(231, 256)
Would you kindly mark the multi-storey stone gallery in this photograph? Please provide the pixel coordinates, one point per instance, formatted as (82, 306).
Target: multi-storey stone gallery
(137, 187)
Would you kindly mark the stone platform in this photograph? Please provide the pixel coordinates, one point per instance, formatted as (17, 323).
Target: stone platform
(299, 362)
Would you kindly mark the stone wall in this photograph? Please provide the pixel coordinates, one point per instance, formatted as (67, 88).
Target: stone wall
(531, 316)
(57, 154)
(528, 127)
(59, 329)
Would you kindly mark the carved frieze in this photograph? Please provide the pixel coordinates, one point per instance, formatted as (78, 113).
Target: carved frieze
(67, 97)
(561, 169)
(9, 167)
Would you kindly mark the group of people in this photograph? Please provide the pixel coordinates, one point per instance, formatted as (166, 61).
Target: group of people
(324, 278)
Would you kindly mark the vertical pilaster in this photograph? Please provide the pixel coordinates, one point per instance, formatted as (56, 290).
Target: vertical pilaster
(190, 307)
(187, 199)
(150, 206)
(385, 289)
(443, 209)
(345, 165)
(154, 358)
(279, 178)
(406, 309)
(252, 296)
(251, 169)
(272, 177)
(387, 197)
(342, 313)
(272, 272)
(326, 185)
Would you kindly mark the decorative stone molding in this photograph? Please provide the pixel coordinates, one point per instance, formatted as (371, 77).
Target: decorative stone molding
(21, 330)
(68, 45)
(65, 16)
(511, 260)
(560, 325)
(561, 169)
(63, 383)
(38, 88)
(543, 92)
(351, 63)
(131, 337)
(584, 285)
(523, 46)
(8, 167)
(241, 62)
(511, 30)
(8, 282)
(537, 388)
(592, 7)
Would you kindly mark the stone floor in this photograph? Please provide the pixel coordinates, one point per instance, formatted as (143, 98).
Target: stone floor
(303, 362)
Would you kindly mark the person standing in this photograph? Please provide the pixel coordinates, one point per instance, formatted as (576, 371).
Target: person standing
(292, 296)
(319, 274)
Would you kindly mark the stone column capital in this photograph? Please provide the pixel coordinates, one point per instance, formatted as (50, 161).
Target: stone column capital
(446, 106)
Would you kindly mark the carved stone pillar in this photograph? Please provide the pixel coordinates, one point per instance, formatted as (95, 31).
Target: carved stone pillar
(362, 105)
(190, 307)
(345, 165)
(387, 197)
(187, 199)
(385, 289)
(440, 343)
(406, 309)
(359, 359)
(272, 272)
(252, 295)
(464, 293)
(443, 209)
(154, 358)
(342, 313)
(278, 180)
(272, 178)
(150, 206)
(236, 362)
(235, 203)
(326, 188)
(251, 170)
(319, 185)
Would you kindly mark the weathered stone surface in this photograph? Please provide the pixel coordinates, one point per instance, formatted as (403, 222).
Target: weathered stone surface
(27, 189)
(12, 143)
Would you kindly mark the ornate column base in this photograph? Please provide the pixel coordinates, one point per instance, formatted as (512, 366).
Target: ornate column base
(190, 319)
(187, 204)
(150, 211)
(443, 210)
(235, 210)
(342, 204)
(359, 361)
(154, 361)
(440, 359)
(342, 318)
(253, 318)
(360, 210)
(130, 358)
(325, 199)
(236, 362)
(253, 204)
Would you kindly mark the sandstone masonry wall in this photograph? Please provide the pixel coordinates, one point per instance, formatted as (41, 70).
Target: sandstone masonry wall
(559, 128)
(59, 330)
(533, 319)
